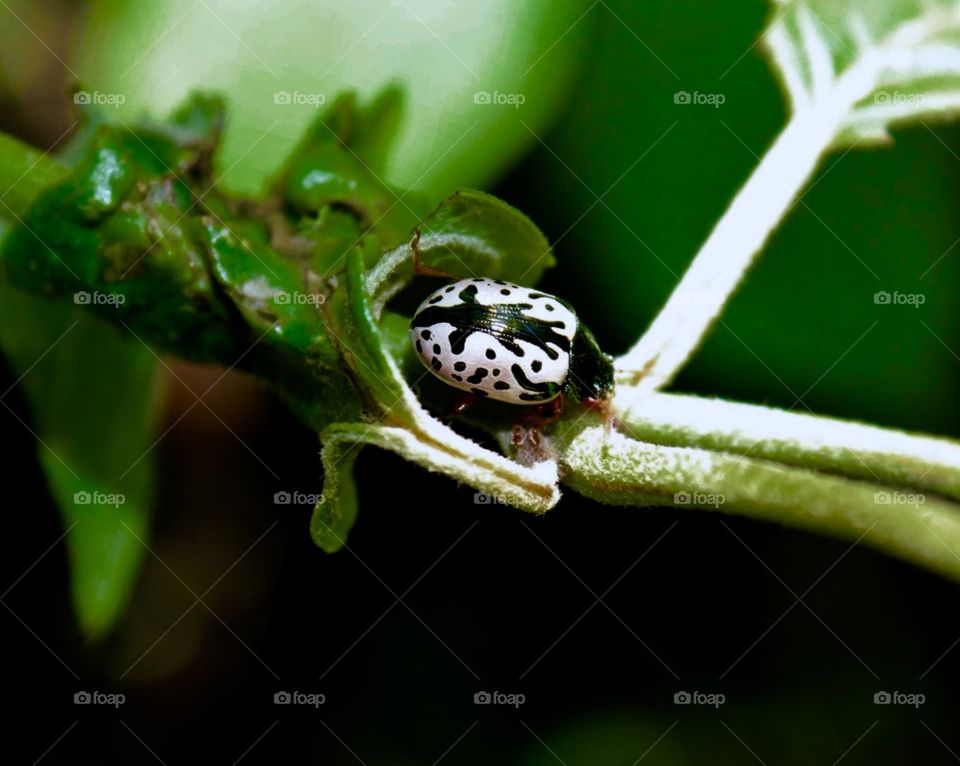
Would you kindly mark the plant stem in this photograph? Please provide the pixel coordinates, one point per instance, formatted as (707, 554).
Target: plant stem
(616, 469)
(852, 449)
(24, 171)
(753, 215)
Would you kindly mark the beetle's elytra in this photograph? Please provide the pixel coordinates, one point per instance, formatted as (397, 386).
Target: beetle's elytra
(510, 343)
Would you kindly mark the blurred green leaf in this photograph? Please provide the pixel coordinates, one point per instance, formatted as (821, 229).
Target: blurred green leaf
(19, 161)
(368, 131)
(375, 133)
(93, 393)
(913, 46)
(440, 53)
(338, 162)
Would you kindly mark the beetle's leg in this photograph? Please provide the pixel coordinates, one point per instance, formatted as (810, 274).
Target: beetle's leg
(526, 427)
(603, 408)
(420, 267)
(517, 439)
(532, 423)
(465, 403)
(552, 411)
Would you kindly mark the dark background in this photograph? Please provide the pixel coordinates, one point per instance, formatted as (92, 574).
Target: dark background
(508, 601)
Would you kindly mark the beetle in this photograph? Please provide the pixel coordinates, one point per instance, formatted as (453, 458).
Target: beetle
(497, 340)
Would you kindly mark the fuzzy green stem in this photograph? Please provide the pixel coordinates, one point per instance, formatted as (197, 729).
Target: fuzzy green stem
(852, 449)
(615, 469)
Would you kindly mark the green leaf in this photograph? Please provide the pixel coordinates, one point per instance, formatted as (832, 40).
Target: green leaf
(117, 232)
(338, 163)
(474, 234)
(469, 234)
(376, 132)
(419, 437)
(906, 56)
(434, 447)
(362, 345)
(368, 131)
(140, 232)
(93, 394)
(269, 290)
(446, 136)
(336, 511)
(23, 172)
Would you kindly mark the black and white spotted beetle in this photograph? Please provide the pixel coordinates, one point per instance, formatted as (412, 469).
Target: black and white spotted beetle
(510, 343)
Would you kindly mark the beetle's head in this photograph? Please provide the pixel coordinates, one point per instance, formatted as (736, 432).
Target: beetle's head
(591, 370)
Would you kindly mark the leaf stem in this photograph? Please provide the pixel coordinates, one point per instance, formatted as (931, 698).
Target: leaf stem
(852, 449)
(754, 214)
(616, 469)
